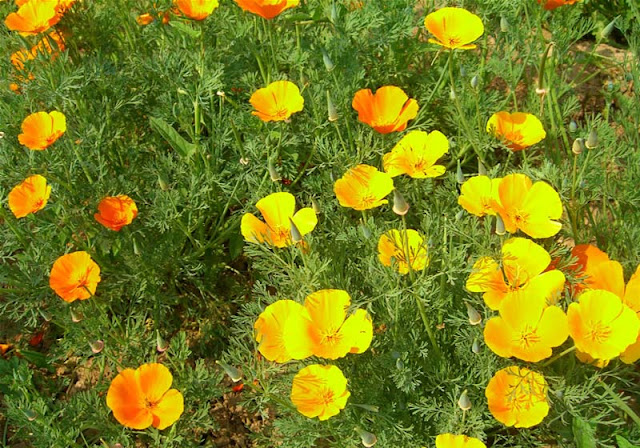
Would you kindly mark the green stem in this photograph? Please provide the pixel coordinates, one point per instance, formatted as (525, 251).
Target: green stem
(621, 404)
(558, 356)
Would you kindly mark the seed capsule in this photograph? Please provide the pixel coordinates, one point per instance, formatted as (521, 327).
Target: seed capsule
(578, 146)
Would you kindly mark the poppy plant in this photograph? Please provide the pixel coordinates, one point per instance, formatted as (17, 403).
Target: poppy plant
(142, 397)
(277, 102)
(454, 28)
(458, 441)
(517, 397)
(553, 4)
(363, 188)
(588, 258)
(277, 210)
(319, 391)
(41, 129)
(29, 196)
(478, 194)
(523, 265)
(386, 111)
(391, 250)
(33, 17)
(267, 9)
(416, 155)
(518, 130)
(196, 9)
(74, 276)
(115, 212)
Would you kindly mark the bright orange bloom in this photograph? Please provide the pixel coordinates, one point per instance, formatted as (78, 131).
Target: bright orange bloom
(29, 196)
(416, 155)
(458, 441)
(454, 28)
(530, 208)
(601, 325)
(278, 212)
(391, 250)
(388, 110)
(4, 348)
(33, 17)
(478, 194)
(267, 9)
(588, 359)
(526, 328)
(320, 391)
(74, 276)
(589, 258)
(141, 398)
(332, 332)
(115, 212)
(196, 9)
(363, 188)
(518, 130)
(523, 264)
(553, 4)
(42, 129)
(61, 5)
(277, 102)
(144, 19)
(517, 397)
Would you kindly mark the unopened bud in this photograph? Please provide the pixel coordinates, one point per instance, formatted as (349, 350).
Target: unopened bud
(273, 174)
(221, 93)
(315, 206)
(573, 126)
(76, 316)
(463, 402)
(163, 182)
(475, 347)
(328, 63)
(578, 146)
(161, 345)
(500, 230)
(233, 373)
(334, 13)
(400, 206)
(459, 215)
(459, 174)
(474, 316)
(606, 31)
(474, 82)
(482, 171)
(96, 346)
(30, 414)
(296, 236)
(368, 438)
(1, 135)
(333, 112)
(181, 91)
(365, 231)
(452, 94)
(592, 140)
(504, 24)
(463, 71)
(46, 315)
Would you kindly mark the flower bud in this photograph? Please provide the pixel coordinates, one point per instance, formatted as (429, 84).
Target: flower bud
(463, 71)
(328, 63)
(578, 146)
(573, 126)
(30, 414)
(452, 94)
(368, 438)
(161, 345)
(365, 231)
(233, 373)
(459, 215)
(474, 82)
(333, 112)
(400, 206)
(334, 13)
(296, 236)
(463, 402)
(473, 314)
(459, 174)
(475, 347)
(482, 171)
(606, 31)
(76, 316)
(1, 135)
(273, 174)
(315, 206)
(96, 346)
(46, 315)
(504, 24)
(163, 182)
(592, 140)
(500, 230)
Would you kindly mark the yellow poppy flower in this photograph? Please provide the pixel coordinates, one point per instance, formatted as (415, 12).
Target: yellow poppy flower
(529, 207)
(588, 258)
(478, 194)
(363, 188)
(458, 441)
(42, 129)
(523, 265)
(29, 196)
(391, 250)
(278, 212)
(267, 9)
(320, 391)
(196, 9)
(454, 28)
(588, 359)
(416, 155)
(517, 397)
(277, 102)
(518, 130)
(388, 110)
(33, 17)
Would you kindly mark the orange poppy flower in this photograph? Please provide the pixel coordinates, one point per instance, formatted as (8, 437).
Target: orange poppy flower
(553, 4)
(196, 9)
(4, 348)
(61, 5)
(416, 155)
(588, 359)
(74, 276)
(29, 196)
(277, 102)
(526, 328)
(141, 398)
(144, 19)
(458, 441)
(530, 208)
(115, 212)
(517, 397)
(454, 28)
(388, 110)
(391, 250)
(283, 332)
(332, 332)
(601, 325)
(33, 17)
(518, 130)
(363, 188)
(478, 194)
(42, 129)
(588, 258)
(523, 264)
(320, 391)
(278, 212)
(267, 9)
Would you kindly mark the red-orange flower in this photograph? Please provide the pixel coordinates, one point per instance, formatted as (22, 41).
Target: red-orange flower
(196, 9)
(388, 110)
(115, 212)
(518, 130)
(74, 276)
(33, 17)
(29, 196)
(267, 9)
(553, 4)
(42, 129)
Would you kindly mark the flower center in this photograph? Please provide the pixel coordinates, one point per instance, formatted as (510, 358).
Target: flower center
(599, 332)
(368, 201)
(331, 338)
(327, 397)
(528, 337)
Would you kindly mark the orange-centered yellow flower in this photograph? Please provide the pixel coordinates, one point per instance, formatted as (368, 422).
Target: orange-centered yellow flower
(196, 9)
(74, 276)
(388, 110)
(588, 257)
(42, 129)
(29, 196)
(454, 28)
(277, 102)
(320, 391)
(115, 212)
(553, 4)
(141, 398)
(278, 211)
(523, 264)
(478, 194)
(601, 325)
(458, 441)
(267, 9)
(416, 155)
(517, 397)
(526, 328)
(363, 188)
(532, 208)
(518, 130)
(393, 246)
(33, 17)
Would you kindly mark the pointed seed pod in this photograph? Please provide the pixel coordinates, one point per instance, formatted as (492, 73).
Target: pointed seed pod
(459, 174)
(482, 171)
(463, 402)
(474, 316)
(592, 140)
(161, 345)
(400, 206)
(233, 373)
(296, 236)
(76, 316)
(315, 206)
(606, 31)
(459, 215)
(500, 230)
(273, 174)
(475, 347)
(578, 146)
(474, 82)
(333, 112)
(328, 63)
(368, 438)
